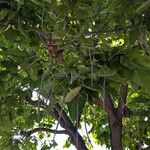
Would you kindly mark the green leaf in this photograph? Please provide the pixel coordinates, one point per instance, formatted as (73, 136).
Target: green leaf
(75, 107)
(129, 64)
(138, 57)
(72, 94)
(10, 65)
(85, 31)
(105, 72)
(141, 77)
(35, 2)
(3, 14)
(143, 7)
(113, 5)
(3, 74)
(83, 69)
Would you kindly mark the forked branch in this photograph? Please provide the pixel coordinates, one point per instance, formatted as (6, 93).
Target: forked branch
(123, 110)
(106, 104)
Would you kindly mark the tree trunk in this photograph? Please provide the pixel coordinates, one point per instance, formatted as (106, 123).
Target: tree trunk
(115, 125)
(115, 115)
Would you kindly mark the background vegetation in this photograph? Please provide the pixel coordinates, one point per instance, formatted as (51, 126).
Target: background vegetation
(88, 60)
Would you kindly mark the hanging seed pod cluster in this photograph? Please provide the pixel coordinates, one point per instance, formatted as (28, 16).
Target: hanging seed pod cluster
(53, 49)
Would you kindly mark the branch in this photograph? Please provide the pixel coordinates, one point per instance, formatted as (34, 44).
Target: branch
(28, 133)
(35, 103)
(122, 100)
(122, 108)
(59, 114)
(106, 104)
(108, 101)
(63, 115)
(66, 123)
(100, 103)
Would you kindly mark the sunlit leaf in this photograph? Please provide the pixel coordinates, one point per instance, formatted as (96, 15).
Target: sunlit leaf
(72, 94)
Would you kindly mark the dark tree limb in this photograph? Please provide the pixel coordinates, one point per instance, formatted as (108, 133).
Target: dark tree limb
(29, 133)
(106, 104)
(100, 103)
(123, 96)
(59, 114)
(114, 115)
(66, 123)
(123, 110)
(108, 101)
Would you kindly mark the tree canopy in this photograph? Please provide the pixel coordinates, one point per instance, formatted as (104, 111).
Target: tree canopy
(87, 60)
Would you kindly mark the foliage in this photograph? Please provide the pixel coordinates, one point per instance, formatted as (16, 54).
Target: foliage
(101, 41)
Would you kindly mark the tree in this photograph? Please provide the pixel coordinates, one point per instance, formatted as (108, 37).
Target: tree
(88, 61)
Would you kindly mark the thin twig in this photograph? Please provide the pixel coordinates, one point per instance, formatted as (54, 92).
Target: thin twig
(77, 121)
(89, 140)
(104, 91)
(39, 99)
(28, 133)
(92, 71)
(59, 118)
(31, 64)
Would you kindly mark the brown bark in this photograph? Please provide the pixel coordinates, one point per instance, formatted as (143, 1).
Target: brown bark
(115, 125)
(115, 115)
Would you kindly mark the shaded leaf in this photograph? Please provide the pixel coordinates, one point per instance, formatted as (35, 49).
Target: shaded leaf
(143, 7)
(75, 108)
